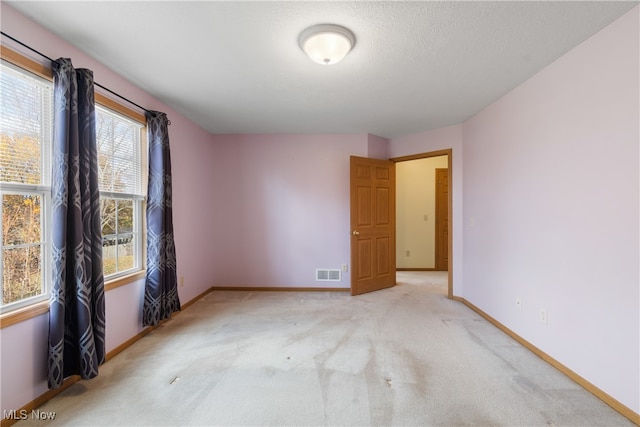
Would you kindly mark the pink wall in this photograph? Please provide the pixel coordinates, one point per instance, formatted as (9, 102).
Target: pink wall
(283, 210)
(551, 209)
(440, 139)
(24, 345)
(378, 147)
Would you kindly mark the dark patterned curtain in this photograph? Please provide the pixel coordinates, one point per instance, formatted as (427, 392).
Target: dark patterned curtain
(76, 312)
(161, 287)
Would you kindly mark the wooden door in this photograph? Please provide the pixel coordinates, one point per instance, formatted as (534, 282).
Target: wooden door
(442, 219)
(373, 225)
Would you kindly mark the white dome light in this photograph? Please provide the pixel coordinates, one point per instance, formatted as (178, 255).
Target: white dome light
(326, 44)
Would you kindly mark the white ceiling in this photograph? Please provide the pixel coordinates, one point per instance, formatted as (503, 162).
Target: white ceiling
(236, 67)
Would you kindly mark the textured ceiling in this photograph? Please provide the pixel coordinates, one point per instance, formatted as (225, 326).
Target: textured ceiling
(235, 67)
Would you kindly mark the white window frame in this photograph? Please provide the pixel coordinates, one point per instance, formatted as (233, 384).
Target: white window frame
(137, 199)
(45, 243)
(44, 191)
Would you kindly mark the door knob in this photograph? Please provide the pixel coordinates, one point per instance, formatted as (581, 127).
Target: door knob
(356, 233)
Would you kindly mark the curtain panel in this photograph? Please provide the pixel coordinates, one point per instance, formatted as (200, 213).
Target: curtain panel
(77, 306)
(161, 287)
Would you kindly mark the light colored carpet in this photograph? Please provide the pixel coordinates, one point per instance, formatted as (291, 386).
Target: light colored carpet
(401, 356)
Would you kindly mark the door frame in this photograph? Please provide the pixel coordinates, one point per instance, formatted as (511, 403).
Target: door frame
(438, 248)
(449, 153)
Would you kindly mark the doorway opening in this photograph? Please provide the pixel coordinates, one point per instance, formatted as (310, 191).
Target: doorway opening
(431, 248)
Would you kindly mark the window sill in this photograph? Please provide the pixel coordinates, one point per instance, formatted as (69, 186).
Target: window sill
(42, 307)
(24, 313)
(124, 280)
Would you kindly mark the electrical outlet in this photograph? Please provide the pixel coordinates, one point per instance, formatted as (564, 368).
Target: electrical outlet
(426, 217)
(519, 304)
(408, 253)
(543, 316)
(181, 281)
(345, 267)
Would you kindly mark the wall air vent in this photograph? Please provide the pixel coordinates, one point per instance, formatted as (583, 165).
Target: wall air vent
(324, 275)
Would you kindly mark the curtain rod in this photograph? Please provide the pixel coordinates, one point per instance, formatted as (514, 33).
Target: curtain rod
(95, 83)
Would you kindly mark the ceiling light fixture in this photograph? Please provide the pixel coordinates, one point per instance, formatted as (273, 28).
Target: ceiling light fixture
(326, 44)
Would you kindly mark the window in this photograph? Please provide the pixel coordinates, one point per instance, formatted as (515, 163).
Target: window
(26, 122)
(25, 144)
(119, 169)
